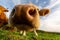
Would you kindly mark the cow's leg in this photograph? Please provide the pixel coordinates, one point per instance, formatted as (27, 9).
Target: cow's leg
(21, 32)
(24, 33)
(35, 32)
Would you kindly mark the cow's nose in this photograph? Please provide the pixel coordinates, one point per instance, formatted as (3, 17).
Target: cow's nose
(30, 13)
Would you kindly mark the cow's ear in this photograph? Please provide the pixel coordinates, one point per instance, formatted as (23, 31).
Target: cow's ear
(43, 12)
(3, 9)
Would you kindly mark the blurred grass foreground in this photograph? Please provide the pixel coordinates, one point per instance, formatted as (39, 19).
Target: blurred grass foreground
(42, 35)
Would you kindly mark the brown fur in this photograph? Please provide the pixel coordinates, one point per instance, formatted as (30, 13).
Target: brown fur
(3, 18)
(26, 17)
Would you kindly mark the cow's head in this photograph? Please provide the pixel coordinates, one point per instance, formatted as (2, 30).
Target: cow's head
(27, 14)
(2, 9)
(3, 18)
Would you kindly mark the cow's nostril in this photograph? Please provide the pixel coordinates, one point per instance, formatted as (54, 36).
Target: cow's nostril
(32, 12)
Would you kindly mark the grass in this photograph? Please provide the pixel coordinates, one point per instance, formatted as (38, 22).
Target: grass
(7, 35)
(42, 35)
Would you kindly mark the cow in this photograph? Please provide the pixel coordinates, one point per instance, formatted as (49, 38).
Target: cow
(3, 18)
(25, 17)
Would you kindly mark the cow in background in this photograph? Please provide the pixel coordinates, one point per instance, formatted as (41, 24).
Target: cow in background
(3, 18)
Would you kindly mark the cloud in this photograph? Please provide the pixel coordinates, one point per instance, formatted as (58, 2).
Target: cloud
(52, 23)
(53, 3)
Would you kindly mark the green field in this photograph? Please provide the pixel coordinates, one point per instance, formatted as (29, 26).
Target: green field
(6, 35)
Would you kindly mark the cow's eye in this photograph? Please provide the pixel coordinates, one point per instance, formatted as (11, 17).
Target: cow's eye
(13, 12)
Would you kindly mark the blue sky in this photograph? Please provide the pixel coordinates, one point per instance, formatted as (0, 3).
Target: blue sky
(10, 3)
(50, 22)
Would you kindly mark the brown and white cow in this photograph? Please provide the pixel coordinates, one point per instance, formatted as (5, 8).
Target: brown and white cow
(3, 18)
(25, 17)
